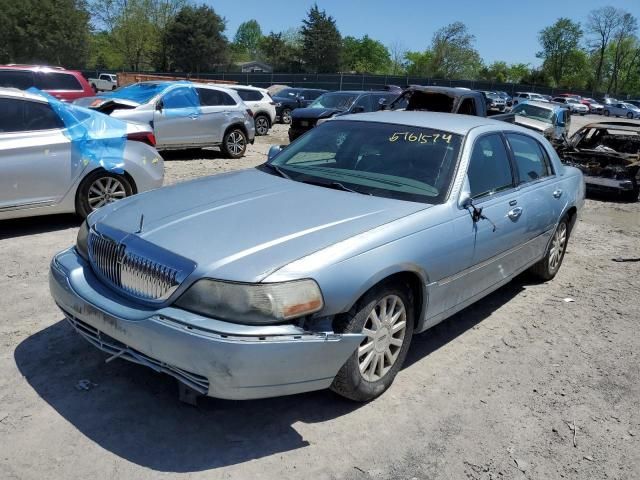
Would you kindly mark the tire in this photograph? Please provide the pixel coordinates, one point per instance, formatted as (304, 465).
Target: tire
(263, 124)
(630, 116)
(363, 378)
(234, 143)
(607, 113)
(100, 188)
(548, 267)
(285, 117)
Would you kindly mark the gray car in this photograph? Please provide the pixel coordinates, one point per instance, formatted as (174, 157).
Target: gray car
(622, 109)
(315, 269)
(183, 114)
(58, 158)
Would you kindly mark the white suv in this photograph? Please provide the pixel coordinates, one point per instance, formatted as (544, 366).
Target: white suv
(261, 104)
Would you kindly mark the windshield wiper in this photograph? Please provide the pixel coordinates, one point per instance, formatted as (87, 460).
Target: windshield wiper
(278, 170)
(340, 186)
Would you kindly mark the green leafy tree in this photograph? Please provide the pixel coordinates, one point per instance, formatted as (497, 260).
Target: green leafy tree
(602, 23)
(365, 55)
(54, 32)
(247, 39)
(195, 39)
(453, 54)
(281, 51)
(321, 42)
(559, 42)
(622, 47)
(419, 63)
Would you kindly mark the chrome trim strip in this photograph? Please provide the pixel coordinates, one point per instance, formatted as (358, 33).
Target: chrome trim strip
(21, 206)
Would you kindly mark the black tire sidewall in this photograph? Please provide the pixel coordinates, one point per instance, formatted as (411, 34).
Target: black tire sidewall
(224, 143)
(82, 196)
(349, 375)
(283, 116)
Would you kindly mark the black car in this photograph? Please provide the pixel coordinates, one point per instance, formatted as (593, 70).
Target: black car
(288, 99)
(337, 103)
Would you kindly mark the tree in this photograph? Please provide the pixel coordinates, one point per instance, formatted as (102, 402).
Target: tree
(601, 24)
(195, 39)
(419, 63)
(365, 55)
(626, 30)
(453, 54)
(248, 38)
(54, 32)
(398, 52)
(281, 52)
(321, 41)
(559, 43)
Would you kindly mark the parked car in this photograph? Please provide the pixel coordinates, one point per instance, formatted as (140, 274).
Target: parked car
(521, 96)
(634, 102)
(288, 99)
(261, 104)
(607, 154)
(321, 264)
(59, 158)
(574, 105)
(507, 98)
(65, 85)
(183, 114)
(622, 109)
(495, 103)
(594, 105)
(549, 119)
(333, 104)
(104, 83)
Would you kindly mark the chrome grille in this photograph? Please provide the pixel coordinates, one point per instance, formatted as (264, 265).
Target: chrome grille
(133, 273)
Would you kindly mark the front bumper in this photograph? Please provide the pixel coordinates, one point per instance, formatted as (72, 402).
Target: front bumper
(216, 358)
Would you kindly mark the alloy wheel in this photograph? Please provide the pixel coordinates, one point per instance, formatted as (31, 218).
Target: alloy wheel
(105, 190)
(262, 126)
(235, 143)
(286, 116)
(384, 332)
(558, 243)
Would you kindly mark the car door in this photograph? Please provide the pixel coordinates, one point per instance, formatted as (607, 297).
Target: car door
(539, 191)
(492, 242)
(175, 120)
(219, 110)
(35, 155)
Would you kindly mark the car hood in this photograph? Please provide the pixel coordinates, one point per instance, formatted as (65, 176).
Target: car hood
(99, 102)
(314, 113)
(532, 123)
(241, 226)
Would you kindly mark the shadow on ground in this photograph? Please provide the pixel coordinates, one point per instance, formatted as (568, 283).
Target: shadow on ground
(135, 413)
(20, 227)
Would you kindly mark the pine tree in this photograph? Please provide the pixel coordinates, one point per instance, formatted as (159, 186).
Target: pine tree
(321, 42)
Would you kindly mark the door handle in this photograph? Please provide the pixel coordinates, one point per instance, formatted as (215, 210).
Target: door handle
(515, 213)
(557, 193)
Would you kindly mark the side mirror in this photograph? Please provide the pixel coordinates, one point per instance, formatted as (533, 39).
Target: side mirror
(159, 106)
(273, 151)
(382, 104)
(465, 200)
(357, 109)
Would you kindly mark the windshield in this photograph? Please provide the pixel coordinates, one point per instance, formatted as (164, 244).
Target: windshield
(532, 111)
(394, 161)
(339, 101)
(138, 92)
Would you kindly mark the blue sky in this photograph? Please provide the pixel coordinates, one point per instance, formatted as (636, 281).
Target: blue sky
(504, 30)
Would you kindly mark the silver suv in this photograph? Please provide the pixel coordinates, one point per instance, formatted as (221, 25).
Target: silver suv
(183, 114)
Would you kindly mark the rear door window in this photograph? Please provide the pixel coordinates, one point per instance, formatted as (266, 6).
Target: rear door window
(214, 98)
(489, 168)
(531, 162)
(21, 79)
(57, 81)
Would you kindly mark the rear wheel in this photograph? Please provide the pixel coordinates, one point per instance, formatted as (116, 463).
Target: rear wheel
(548, 267)
(262, 124)
(385, 316)
(234, 143)
(99, 189)
(630, 115)
(607, 113)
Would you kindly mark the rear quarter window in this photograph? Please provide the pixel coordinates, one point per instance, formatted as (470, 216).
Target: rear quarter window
(57, 81)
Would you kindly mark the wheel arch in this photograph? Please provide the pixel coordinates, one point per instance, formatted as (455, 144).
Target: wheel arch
(238, 125)
(124, 173)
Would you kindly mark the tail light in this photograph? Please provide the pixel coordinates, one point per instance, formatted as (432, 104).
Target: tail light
(249, 112)
(144, 137)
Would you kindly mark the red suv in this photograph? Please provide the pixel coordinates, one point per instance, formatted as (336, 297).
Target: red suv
(67, 85)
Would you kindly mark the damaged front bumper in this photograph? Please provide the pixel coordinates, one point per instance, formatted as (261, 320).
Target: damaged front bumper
(215, 358)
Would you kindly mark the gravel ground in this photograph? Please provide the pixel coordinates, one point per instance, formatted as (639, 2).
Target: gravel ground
(523, 384)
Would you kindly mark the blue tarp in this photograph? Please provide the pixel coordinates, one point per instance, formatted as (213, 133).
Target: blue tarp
(181, 101)
(95, 137)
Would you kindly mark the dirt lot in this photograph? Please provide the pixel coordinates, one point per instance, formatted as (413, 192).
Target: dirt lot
(524, 384)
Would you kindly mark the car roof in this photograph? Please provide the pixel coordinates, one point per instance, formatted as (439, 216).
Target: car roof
(450, 122)
(17, 93)
(629, 126)
(244, 87)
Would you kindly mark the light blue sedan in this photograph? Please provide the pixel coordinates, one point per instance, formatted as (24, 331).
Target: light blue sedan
(622, 109)
(315, 269)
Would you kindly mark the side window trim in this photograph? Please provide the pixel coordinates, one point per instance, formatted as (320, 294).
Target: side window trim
(545, 156)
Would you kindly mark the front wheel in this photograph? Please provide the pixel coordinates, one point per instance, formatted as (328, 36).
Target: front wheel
(234, 143)
(385, 316)
(548, 267)
(630, 116)
(99, 189)
(286, 116)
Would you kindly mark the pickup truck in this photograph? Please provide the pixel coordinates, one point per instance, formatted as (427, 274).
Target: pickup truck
(104, 83)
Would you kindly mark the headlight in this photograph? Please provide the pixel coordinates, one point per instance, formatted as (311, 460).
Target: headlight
(278, 104)
(82, 241)
(253, 303)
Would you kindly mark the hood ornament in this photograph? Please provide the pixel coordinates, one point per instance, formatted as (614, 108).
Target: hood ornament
(141, 223)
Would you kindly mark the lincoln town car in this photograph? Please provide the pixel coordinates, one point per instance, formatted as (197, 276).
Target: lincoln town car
(315, 269)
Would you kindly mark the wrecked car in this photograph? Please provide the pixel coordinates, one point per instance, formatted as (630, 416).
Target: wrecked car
(608, 153)
(548, 119)
(182, 114)
(441, 99)
(315, 269)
